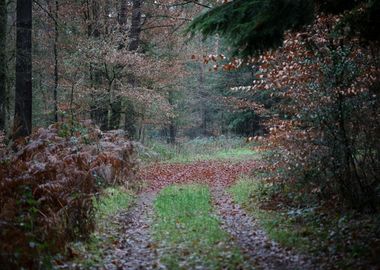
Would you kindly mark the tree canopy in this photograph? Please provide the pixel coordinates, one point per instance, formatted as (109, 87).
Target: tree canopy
(254, 25)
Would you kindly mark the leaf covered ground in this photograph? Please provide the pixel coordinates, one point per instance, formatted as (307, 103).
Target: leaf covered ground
(188, 225)
(159, 175)
(214, 214)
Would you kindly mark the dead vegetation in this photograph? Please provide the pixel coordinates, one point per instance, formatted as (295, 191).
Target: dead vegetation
(47, 189)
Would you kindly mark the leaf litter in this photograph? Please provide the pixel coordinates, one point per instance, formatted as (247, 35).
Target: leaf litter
(135, 248)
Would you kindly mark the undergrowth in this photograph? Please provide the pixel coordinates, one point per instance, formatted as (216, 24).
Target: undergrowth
(213, 148)
(343, 238)
(111, 202)
(185, 225)
(47, 189)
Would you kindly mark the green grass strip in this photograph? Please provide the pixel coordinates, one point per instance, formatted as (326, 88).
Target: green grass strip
(200, 150)
(112, 201)
(237, 154)
(189, 233)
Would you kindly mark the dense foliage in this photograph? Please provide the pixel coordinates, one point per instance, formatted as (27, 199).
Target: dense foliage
(48, 188)
(252, 26)
(328, 113)
(323, 120)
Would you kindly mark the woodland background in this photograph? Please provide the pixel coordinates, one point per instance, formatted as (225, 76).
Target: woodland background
(86, 86)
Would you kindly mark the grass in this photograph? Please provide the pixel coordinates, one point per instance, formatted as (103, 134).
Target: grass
(112, 201)
(352, 237)
(237, 154)
(189, 233)
(219, 148)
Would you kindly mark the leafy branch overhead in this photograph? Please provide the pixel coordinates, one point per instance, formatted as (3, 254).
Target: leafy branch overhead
(251, 26)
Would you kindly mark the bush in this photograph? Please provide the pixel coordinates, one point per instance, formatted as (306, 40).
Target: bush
(325, 125)
(47, 190)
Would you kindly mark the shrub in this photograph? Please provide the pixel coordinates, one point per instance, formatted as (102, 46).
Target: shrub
(325, 125)
(47, 189)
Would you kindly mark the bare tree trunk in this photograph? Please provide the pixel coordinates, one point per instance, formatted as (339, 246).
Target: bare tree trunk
(134, 34)
(56, 73)
(116, 113)
(172, 126)
(123, 13)
(106, 18)
(172, 132)
(141, 135)
(109, 105)
(3, 63)
(71, 105)
(95, 10)
(23, 95)
(98, 106)
(130, 120)
(204, 108)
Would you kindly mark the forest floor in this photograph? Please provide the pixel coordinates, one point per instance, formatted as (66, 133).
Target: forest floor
(189, 215)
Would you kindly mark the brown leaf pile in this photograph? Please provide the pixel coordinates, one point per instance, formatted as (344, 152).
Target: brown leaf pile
(47, 190)
(204, 172)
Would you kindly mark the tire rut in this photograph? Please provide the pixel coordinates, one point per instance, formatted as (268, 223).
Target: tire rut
(135, 249)
(253, 241)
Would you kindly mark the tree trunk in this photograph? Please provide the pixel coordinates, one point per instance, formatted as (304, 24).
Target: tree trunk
(113, 107)
(172, 127)
(123, 13)
(109, 106)
(3, 63)
(116, 114)
(141, 134)
(204, 108)
(106, 19)
(98, 104)
(23, 95)
(357, 192)
(56, 73)
(172, 132)
(95, 29)
(130, 120)
(134, 34)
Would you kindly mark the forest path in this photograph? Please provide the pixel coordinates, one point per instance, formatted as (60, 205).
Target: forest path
(135, 248)
(244, 229)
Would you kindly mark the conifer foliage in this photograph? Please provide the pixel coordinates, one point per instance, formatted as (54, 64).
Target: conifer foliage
(251, 26)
